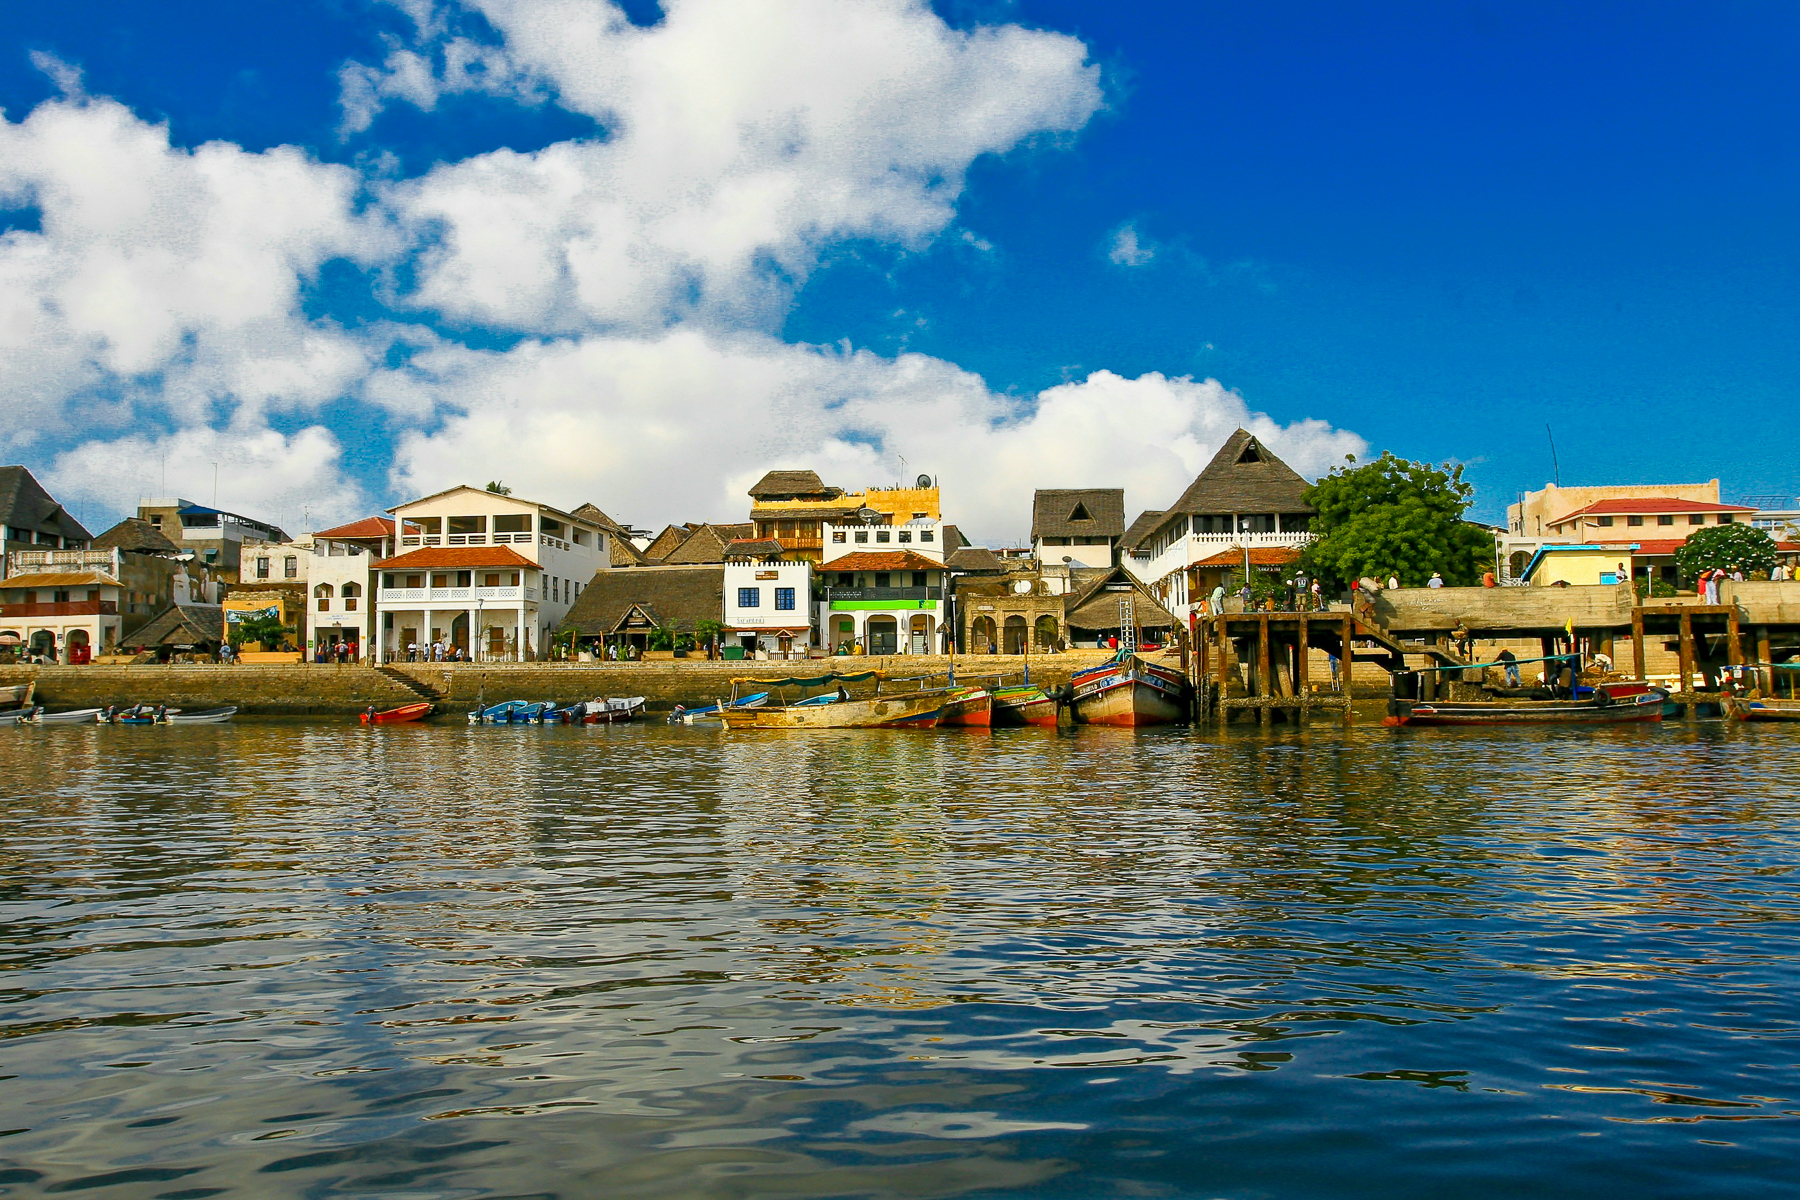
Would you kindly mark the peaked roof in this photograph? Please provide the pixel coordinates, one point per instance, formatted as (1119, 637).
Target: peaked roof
(435, 557)
(763, 549)
(137, 536)
(1244, 477)
(1143, 527)
(670, 597)
(882, 560)
(1096, 605)
(665, 543)
(367, 528)
(790, 483)
(976, 560)
(707, 544)
(24, 503)
(623, 553)
(181, 625)
(954, 539)
(1077, 512)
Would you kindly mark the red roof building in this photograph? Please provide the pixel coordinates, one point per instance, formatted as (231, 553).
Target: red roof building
(443, 558)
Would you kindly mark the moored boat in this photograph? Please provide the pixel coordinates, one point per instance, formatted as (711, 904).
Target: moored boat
(1022, 704)
(1129, 691)
(710, 712)
(67, 717)
(972, 707)
(204, 716)
(395, 716)
(496, 714)
(915, 710)
(1742, 708)
(612, 710)
(1597, 708)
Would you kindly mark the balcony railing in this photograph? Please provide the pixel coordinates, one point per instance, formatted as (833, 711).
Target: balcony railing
(396, 597)
(1195, 547)
(60, 608)
(887, 593)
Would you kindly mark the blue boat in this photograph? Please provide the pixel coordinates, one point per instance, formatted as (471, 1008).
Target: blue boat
(496, 714)
(710, 712)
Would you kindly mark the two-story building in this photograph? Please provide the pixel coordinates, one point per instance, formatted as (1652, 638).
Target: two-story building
(31, 519)
(341, 584)
(1079, 527)
(794, 508)
(1246, 509)
(883, 587)
(768, 602)
(493, 575)
(215, 537)
(68, 604)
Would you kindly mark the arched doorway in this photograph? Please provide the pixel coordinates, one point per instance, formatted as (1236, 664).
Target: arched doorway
(919, 635)
(43, 644)
(982, 636)
(884, 635)
(1045, 633)
(76, 643)
(843, 634)
(459, 632)
(1516, 562)
(1015, 635)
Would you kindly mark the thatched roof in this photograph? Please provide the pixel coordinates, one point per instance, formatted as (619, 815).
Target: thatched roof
(138, 536)
(1244, 477)
(623, 553)
(976, 560)
(24, 504)
(182, 625)
(1146, 524)
(672, 598)
(759, 549)
(707, 543)
(666, 542)
(1096, 604)
(954, 539)
(789, 483)
(1077, 512)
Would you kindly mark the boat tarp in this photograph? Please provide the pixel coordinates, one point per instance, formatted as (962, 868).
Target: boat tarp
(816, 681)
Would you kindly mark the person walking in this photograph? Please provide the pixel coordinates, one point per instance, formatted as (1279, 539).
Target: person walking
(1218, 598)
(1511, 661)
(1436, 580)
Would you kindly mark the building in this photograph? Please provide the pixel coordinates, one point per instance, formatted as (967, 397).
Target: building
(1579, 565)
(1246, 508)
(341, 584)
(60, 615)
(1537, 513)
(1081, 527)
(1037, 609)
(195, 628)
(1641, 530)
(68, 604)
(215, 537)
(768, 602)
(793, 507)
(625, 611)
(30, 519)
(491, 574)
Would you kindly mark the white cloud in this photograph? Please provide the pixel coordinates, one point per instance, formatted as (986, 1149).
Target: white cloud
(639, 426)
(742, 136)
(1129, 249)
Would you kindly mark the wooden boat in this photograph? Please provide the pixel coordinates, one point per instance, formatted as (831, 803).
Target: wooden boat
(1023, 704)
(204, 716)
(16, 694)
(394, 716)
(915, 710)
(710, 712)
(67, 717)
(1129, 691)
(972, 706)
(612, 710)
(1741, 708)
(1598, 708)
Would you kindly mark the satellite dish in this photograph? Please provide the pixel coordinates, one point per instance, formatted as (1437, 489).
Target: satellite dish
(924, 481)
(1021, 586)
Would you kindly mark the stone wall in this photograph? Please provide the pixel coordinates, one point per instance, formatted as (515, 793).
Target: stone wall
(254, 689)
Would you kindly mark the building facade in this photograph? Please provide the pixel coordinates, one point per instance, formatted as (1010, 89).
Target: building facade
(215, 537)
(489, 574)
(1079, 527)
(768, 606)
(31, 519)
(794, 507)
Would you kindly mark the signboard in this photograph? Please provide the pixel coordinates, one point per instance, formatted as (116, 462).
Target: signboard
(234, 616)
(768, 574)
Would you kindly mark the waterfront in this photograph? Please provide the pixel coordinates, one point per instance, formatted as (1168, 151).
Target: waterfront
(286, 958)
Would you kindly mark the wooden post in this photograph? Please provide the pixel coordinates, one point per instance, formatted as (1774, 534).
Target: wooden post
(1734, 647)
(1637, 641)
(1765, 674)
(1303, 673)
(1347, 662)
(1202, 672)
(1263, 692)
(1687, 656)
(1224, 713)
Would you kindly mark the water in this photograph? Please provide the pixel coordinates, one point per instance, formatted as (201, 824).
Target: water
(285, 959)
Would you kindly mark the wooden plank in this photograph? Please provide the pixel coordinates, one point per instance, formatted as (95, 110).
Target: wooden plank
(1302, 670)
(1637, 641)
(1262, 667)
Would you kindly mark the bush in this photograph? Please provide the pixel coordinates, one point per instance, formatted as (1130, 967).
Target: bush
(1731, 547)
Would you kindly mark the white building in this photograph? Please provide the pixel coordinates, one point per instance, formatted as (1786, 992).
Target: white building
(768, 606)
(490, 574)
(882, 586)
(1077, 527)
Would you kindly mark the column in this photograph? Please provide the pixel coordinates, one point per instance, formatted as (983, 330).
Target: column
(474, 635)
(519, 645)
(1637, 640)
(425, 634)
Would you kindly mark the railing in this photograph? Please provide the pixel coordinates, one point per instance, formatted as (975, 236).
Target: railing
(390, 597)
(501, 539)
(887, 593)
(465, 539)
(554, 542)
(62, 558)
(1194, 547)
(60, 608)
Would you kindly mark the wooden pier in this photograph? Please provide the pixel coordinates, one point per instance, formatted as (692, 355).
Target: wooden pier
(1271, 648)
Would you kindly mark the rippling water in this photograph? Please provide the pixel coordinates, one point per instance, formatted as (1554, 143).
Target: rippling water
(272, 959)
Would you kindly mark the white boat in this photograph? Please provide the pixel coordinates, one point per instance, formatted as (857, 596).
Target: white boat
(612, 710)
(204, 716)
(711, 712)
(70, 717)
(17, 716)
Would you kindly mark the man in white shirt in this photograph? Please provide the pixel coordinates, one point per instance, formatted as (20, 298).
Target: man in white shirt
(1437, 581)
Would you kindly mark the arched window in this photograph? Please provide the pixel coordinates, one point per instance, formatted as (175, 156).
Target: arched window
(322, 594)
(350, 593)
(1015, 635)
(982, 636)
(1045, 633)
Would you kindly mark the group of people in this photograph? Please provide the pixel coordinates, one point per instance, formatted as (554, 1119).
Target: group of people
(438, 651)
(340, 652)
(1710, 581)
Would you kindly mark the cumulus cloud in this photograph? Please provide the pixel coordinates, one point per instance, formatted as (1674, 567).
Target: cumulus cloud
(630, 423)
(1129, 248)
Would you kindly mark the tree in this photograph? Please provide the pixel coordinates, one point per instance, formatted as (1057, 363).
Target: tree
(265, 628)
(1395, 517)
(1725, 548)
(498, 488)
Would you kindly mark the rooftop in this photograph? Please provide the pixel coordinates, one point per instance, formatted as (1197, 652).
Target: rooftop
(1638, 506)
(883, 560)
(432, 558)
(1077, 512)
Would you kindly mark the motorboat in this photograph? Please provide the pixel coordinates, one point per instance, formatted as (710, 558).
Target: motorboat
(496, 714)
(1023, 704)
(710, 712)
(916, 710)
(132, 714)
(612, 710)
(1598, 707)
(71, 716)
(22, 716)
(396, 716)
(204, 716)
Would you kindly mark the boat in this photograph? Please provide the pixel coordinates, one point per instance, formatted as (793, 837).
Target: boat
(496, 714)
(1023, 704)
(1597, 708)
(394, 716)
(18, 694)
(1744, 708)
(1129, 691)
(132, 714)
(21, 716)
(613, 710)
(204, 716)
(68, 717)
(914, 710)
(710, 712)
(971, 706)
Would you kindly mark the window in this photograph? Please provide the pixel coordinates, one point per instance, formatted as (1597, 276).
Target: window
(749, 597)
(552, 527)
(837, 536)
(578, 536)
(350, 593)
(883, 579)
(846, 578)
(62, 596)
(926, 535)
(1603, 522)
(881, 535)
(468, 525)
(919, 579)
(512, 523)
(1666, 519)
(322, 594)
(784, 599)
(1696, 518)
(1634, 522)
(262, 568)
(290, 567)
(491, 579)
(862, 535)
(1725, 518)
(906, 535)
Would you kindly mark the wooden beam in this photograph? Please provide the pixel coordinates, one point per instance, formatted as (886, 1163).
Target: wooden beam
(1734, 647)
(1347, 661)
(1637, 641)
(1765, 674)
(1302, 672)
(1263, 691)
(1687, 655)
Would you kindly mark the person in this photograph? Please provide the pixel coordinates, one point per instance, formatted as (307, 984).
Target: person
(1333, 660)
(1393, 583)
(1244, 594)
(1511, 662)
(1604, 661)
(1318, 597)
(1436, 580)
(1288, 591)
(1737, 575)
(1218, 598)
(1488, 580)
(412, 652)
(1465, 641)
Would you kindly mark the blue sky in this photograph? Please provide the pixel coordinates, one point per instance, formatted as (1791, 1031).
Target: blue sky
(1434, 228)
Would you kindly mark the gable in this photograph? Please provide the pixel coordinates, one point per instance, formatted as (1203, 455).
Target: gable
(1245, 476)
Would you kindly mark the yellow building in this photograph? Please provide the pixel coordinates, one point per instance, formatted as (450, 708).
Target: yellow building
(793, 508)
(1580, 566)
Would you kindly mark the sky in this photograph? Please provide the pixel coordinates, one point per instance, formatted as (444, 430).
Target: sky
(336, 253)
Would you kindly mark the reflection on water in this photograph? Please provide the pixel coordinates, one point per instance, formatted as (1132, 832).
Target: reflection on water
(283, 959)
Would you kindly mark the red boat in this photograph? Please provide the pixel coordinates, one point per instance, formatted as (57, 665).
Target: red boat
(1129, 691)
(394, 716)
(1023, 704)
(970, 706)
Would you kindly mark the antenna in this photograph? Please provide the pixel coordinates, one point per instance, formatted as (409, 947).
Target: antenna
(1556, 471)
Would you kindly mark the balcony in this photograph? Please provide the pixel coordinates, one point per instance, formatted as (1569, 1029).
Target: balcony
(885, 597)
(61, 608)
(1197, 547)
(465, 597)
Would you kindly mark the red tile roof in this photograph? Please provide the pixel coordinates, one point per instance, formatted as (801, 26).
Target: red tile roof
(436, 557)
(883, 560)
(1646, 505)
(1260, 556)
(368, 527)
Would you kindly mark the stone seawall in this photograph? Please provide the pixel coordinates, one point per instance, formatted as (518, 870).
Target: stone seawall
(295, 690)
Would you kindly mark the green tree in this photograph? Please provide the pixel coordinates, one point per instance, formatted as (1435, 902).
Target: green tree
(1395, 517)
(1731, 547)
(266, 629)
(498, 488)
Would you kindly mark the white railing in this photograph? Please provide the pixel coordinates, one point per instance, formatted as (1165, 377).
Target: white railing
(1196, 547)
(467, 596)
(415, 540)
(466, 539)
(502, 538)
(556, 543)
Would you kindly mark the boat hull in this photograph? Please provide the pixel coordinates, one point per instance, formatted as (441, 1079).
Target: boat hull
(1645, 706)
(395, 716)
(974, 708)
(880, 712)
(1739, 709)
(1027, 705)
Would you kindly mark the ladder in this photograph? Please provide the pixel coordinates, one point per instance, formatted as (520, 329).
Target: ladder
(1128, 634)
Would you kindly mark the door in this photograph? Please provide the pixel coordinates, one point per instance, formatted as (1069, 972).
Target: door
(884, 635)
(1015, 635)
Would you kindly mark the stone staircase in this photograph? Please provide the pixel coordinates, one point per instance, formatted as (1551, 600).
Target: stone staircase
(417, 686)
